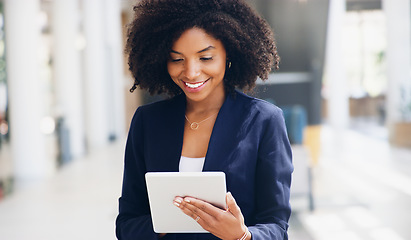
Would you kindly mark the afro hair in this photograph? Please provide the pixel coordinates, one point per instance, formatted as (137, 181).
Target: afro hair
(247, 38)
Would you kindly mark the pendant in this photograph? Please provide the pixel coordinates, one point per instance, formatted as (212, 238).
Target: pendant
(194, 125)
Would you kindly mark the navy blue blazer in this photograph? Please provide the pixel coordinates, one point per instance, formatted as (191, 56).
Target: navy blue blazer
(248, 142)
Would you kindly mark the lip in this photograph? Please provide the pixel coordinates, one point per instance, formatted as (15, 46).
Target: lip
(195, 89)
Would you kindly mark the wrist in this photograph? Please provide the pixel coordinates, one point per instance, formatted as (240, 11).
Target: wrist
(246, 235)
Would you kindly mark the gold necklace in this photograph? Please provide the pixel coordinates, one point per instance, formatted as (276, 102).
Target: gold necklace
(195, 125)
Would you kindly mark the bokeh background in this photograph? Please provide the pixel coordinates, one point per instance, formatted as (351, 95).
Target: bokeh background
(344, 85)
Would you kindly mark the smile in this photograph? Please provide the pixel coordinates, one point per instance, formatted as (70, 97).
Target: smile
(194, 85)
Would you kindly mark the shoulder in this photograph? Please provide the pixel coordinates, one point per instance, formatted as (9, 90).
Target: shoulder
(162, 106)
(257, 106)
(159, 110)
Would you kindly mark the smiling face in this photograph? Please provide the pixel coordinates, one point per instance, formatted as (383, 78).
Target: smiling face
(197, 65)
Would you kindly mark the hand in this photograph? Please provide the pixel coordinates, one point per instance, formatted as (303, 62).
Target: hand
(225, 224)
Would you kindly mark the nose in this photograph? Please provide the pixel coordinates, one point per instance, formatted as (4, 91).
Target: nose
(191, 70)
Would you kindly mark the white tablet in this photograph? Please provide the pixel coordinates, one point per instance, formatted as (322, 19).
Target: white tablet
(163, 187)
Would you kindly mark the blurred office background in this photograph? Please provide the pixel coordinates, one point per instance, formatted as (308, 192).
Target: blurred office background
(344, 85)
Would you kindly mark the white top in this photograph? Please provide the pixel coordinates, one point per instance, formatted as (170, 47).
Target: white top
(191, 164)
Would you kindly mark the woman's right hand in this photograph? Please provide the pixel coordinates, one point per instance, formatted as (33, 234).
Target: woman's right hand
(225, 224)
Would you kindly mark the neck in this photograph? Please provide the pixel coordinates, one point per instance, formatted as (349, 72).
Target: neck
(207, 105)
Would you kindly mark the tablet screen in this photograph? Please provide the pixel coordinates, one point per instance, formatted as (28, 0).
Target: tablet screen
(163, 187)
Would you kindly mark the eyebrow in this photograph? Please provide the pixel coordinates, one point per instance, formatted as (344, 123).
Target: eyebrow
(204, 50)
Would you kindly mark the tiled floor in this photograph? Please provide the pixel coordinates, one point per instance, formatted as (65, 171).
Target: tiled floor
(80, 202)
(361, 185)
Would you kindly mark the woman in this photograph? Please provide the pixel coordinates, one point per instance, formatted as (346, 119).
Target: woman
(199, 51)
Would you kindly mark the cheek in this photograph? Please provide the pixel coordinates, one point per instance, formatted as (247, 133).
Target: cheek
(173, 71)
(217, 70)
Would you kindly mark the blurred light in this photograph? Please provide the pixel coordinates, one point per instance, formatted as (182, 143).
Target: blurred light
(43, 19)
(3, 97)
(80, 42)
(2, 47)
(48, 125)
(4, 128)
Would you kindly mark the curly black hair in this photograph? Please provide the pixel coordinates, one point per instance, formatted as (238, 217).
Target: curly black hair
(247, 38)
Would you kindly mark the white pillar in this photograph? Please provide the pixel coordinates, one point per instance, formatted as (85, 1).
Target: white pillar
(113, 36)
(337, 92)
(67, 71)
(95, 69)
(398, 56)
(28, 144)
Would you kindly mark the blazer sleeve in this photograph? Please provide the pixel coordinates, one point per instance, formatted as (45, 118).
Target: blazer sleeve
(134, 219)
(273, 180)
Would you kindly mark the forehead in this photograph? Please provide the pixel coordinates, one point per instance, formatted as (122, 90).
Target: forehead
(196, 39)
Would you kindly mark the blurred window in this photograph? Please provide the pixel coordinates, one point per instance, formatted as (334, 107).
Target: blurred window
(365, 47)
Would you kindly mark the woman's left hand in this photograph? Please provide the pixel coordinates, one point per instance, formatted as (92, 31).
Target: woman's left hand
(225, 224)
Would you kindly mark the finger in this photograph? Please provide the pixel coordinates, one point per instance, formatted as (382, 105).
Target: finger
(195, 213)
(203, 206)
(177, 201)
(212, 214)
(188, 208)
(232, 205)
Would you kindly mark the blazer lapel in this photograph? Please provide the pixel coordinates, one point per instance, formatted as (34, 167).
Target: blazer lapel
(222, 140)
(169, 125)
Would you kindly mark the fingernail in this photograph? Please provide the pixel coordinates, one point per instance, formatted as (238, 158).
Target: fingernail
(177, 204)
(186, 200)
(177, 200)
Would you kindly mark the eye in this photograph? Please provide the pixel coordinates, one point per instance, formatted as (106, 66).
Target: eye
(206, 59)
(176, 59)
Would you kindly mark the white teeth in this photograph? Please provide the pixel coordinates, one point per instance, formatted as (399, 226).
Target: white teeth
(194, 85)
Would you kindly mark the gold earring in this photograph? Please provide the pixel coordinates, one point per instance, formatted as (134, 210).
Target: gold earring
(229, 64)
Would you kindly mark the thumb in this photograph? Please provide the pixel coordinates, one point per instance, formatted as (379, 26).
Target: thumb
(232, 205)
